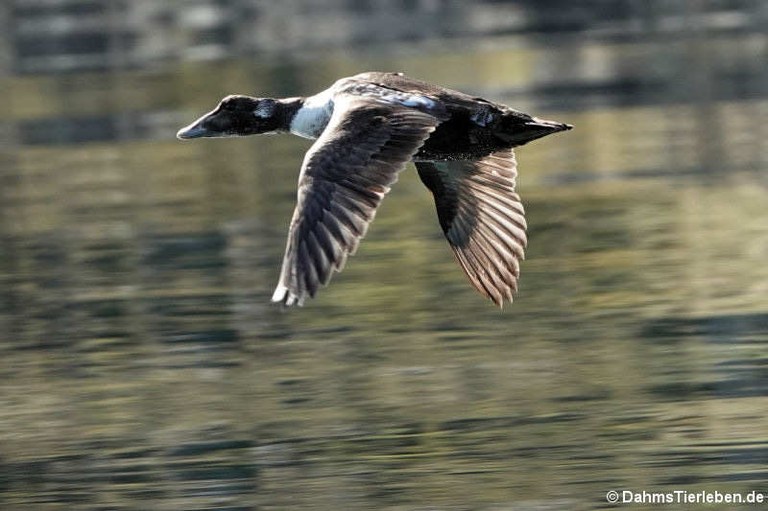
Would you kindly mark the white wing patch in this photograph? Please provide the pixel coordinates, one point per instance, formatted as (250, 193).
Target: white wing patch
(391, 96)
(418, 101)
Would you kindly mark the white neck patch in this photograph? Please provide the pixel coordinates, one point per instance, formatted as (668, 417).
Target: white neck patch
(313, 116)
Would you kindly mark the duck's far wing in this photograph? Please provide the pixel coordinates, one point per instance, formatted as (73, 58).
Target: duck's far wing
(482, 217)
(343, 179)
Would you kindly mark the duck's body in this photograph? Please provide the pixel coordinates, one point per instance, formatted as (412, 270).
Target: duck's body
(367, 128)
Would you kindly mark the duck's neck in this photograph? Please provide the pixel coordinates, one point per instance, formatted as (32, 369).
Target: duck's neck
(312, 115)
(288, 109)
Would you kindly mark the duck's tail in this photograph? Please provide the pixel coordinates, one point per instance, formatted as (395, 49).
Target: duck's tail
(517, 130)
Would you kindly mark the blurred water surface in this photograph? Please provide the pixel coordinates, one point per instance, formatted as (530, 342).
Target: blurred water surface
(143, 367)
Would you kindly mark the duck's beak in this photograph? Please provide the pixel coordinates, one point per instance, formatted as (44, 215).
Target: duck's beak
(194, 130)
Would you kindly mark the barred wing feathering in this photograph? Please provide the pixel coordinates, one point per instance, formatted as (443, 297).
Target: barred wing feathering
(343, 179)
(482, 218)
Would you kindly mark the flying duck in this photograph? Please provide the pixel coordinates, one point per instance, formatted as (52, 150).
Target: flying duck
(366, 128)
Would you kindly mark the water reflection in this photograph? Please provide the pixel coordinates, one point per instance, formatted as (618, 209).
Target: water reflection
(143, 367)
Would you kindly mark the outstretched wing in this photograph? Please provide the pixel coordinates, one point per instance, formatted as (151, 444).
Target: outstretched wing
(482, 217)
(344, 177)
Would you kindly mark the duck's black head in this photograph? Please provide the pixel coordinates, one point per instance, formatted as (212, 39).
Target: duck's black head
(237, 116)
